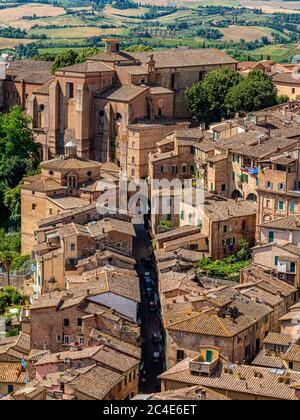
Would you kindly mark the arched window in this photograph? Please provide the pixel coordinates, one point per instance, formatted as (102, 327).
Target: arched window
(252, 197)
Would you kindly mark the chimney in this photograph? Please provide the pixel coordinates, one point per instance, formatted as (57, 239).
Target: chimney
(111, 46)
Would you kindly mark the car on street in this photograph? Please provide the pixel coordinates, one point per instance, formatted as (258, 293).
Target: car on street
(152, 306)
(156, 357)
(156, 338)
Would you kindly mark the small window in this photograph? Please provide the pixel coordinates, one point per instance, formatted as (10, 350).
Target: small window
(79, 322)
(10, 388)
(89, 173)
(70, 90)
(58, 339)
(180, 355)
(72, 247)
(293, 90)
(292, 206)
(66, 339)
(184, 167)
(280, 205)
(271, 237)
(33, 206)
(66, 322)
(223, 187)
(276, 260)
(81, 341)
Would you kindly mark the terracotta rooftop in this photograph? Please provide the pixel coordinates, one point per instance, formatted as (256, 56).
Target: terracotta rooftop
(177, 233)
(43, 185)
(115, 360)
(284, 223)
(116, 344)
(293, 354)
(286, 78)
(12, 373)
(185, 57)
(70, 163)
(97, 382)
(254, 380)
(279, 339)
(110, 225)
(87, 67)
(219, 208)
(31, 71)
(122, 93)
(265, 359)
(194, 393)
(86, 353)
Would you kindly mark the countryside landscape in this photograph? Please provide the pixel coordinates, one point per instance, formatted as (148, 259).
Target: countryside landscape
(245, 29)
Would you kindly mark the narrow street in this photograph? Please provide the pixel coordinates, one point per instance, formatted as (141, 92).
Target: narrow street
(152, 364)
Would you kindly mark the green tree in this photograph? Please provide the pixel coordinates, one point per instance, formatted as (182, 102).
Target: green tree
(64, 59)
(244, 252)
(253, 93)
(10, 296)
(139, 48)
(206, 100)
(6, 261)
(18, 156)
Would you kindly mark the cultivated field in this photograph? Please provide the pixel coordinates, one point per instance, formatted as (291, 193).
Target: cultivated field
(235, 33)
(13, 16)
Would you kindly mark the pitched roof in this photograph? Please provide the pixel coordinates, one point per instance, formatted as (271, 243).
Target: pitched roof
(266, 384)
(264, 359)
(115, 343)
(293, 353)
(87, 67)
(12, 373)
(110, 225)
(207, 324)
(115, 360)
(284, 223)
(122, 93)
(70, 163)
(177, 233)
(191, 393)
(43, 185)
(185, 57)
(279, 339)
(286, 78)
(31, 71)
(86, 353)
(97, 382)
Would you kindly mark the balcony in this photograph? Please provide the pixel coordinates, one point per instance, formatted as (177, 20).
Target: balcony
(200, 367)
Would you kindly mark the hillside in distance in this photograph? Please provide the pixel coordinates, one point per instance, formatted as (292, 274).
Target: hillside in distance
(246, 29)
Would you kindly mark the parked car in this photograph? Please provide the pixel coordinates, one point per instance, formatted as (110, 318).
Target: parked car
(156, 338)
(149, 292)
(156, 357)
(152, 306)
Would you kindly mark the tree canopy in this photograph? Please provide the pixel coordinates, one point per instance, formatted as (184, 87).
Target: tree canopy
(253, 93)
(223, 93)
(18, 156)
(71, 57)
